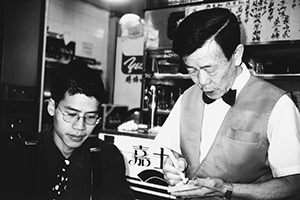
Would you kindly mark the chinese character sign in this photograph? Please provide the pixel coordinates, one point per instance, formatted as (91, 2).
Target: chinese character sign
(144, 162)
(140, 157)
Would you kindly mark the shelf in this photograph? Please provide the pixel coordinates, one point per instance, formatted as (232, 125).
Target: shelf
(159, 111)
(264, 76)
(171, 76)
(279, 76)
(288, 44)
(91, 62)
(50, 61)
(157, 5)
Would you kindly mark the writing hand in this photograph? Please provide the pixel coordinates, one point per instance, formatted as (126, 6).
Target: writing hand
(173, 169)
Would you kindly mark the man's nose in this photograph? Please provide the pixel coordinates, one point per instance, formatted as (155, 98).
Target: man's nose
(203, 78)
(80, 124)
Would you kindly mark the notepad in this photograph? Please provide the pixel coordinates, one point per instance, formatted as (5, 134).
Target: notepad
(182, 187)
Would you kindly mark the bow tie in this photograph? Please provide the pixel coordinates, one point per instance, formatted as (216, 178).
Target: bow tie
(228, 98)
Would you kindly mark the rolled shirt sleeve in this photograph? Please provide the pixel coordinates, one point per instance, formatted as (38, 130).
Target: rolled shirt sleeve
(284, 138)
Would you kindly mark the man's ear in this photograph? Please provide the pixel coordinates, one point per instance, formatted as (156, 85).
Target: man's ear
(238, 55)
(51, 107)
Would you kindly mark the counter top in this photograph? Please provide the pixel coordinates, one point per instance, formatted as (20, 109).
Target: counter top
(128, 133)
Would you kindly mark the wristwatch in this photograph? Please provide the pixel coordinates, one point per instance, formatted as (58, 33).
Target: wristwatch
(229, 190)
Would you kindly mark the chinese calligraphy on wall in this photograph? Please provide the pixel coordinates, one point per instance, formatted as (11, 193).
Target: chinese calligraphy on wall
(263, 20)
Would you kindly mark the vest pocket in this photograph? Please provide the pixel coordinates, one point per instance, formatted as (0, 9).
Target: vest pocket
(245, 153)
(244, 136)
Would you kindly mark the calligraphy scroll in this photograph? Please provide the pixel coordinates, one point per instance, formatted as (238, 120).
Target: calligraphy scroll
(262, 21)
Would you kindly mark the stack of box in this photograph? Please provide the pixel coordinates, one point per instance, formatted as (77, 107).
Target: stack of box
(18, 112)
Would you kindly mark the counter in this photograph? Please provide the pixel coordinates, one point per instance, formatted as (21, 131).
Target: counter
(143, 160)
(128, 133)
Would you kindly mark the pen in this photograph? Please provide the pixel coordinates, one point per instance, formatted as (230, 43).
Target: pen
(174, 160)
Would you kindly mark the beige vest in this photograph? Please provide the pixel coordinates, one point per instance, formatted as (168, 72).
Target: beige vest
(239, 151)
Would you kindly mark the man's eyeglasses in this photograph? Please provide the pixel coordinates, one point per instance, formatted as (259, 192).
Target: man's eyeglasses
(90, 119)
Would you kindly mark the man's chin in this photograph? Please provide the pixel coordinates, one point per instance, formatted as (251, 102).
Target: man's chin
(213, 95)
(74, 145)
(75, 142)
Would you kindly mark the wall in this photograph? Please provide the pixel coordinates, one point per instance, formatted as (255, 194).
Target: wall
(83, 23)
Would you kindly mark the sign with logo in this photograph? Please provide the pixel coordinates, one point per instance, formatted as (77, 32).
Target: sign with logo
(128, 71)
(132, 64)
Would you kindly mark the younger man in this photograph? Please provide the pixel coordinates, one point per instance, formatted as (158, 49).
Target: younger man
(61, 165)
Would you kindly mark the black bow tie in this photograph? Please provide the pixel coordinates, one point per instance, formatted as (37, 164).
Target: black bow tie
(228, 98)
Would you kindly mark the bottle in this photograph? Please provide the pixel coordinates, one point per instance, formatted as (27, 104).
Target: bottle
(152, 107)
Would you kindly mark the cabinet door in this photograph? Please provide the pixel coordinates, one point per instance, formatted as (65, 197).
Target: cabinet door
(22, 41)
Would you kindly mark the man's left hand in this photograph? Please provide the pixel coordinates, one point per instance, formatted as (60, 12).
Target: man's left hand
(212, 187)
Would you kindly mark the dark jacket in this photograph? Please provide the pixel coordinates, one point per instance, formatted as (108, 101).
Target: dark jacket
(97, 169)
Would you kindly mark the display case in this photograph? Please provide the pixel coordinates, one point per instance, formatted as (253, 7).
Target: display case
(165, 77)
(164, 80)
(278, 63)
(274, 60)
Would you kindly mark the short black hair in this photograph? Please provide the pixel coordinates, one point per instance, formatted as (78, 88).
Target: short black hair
(219, 24)
(77, 78)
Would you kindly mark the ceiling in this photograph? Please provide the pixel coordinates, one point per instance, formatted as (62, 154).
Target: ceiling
(120, 7)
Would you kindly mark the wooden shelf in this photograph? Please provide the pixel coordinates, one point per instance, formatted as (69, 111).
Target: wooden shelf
(171, 76)
(279, 76)
(264, 76)
(159, 111)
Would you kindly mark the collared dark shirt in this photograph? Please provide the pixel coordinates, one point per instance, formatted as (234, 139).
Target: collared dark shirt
(29, 171)
(50, 163)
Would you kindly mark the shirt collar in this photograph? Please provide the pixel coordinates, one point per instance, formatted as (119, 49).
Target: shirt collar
(55, 156)
(81, 154)
(241, 79)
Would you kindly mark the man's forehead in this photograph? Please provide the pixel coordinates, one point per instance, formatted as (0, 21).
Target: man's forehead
(209, 51)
